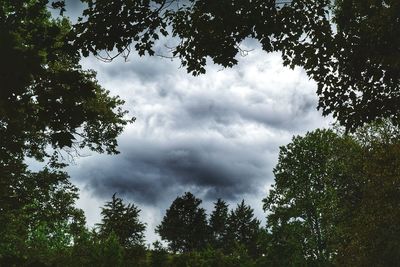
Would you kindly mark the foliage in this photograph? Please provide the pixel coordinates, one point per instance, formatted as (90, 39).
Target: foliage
(39, 218)
(47, 99)
(335, 200)
(159, 255)
(184, 225)
(48, 103)
(349, 47)
(243, 230)
(123, 221)
(304, 204)
(218, 224)
(372, 230)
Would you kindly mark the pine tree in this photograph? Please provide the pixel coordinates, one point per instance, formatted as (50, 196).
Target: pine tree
(218, 221)
(123, 221)
(243, 229)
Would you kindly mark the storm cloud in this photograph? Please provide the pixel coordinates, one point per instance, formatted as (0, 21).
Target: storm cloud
(217, 135)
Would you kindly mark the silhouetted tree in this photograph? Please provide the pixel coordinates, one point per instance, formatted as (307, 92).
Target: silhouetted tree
(184, 225)
(243, 229)
(122, 220)
(218, 224)
(47, 99)
(350, 49)
(47, 103)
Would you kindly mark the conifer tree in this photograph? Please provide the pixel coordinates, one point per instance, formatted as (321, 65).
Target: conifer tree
(218, 223)
(243, 229)
(123, 221)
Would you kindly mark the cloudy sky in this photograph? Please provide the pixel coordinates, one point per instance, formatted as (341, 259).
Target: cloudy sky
(217, 135)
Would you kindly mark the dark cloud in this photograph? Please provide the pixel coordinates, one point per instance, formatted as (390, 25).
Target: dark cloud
(150, 171)
(217, 135)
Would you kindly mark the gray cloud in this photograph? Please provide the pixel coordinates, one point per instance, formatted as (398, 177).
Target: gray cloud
(150, 171)
(194, 131)
(217, 135)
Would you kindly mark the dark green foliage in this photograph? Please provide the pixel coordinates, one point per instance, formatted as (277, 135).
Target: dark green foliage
(123, 221)
(335, 200)
(213, 258)
(91, 250)
(218, 224)
(184, 225)
(304, 206)
(159, 255)
(111, 252)
(46, 98)
(109, 25)
(349, 47)
(336, 197)
(39, 220)
(372, 229)
(46, 101)
(243, 230)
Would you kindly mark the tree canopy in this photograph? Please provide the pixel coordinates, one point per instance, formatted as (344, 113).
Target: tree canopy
(333, 202)
(38, 218)
(123, 221)
(303, 203)
(349, 47)
(243, 229)
(218, 224)
(184, 225)
(47, 99)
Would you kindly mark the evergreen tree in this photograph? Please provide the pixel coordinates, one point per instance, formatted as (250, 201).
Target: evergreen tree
(184, 225)
(218, 223)
(243, 229)
(123, 221)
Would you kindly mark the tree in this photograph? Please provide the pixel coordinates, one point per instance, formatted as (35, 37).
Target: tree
(184, 225)
(49, 109)
(243, 229)
(305, 203)
(218, 224)
(372, 230)
(47, 99)
(335, 201)
(123, 221)
(349, 47)
(39, 219)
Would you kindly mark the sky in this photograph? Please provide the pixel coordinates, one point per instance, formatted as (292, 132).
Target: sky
(216, 135)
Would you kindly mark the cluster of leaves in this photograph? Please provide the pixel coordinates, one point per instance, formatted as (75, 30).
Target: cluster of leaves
(47, 100)
(335, 200)
(47, 103)
(349, 47)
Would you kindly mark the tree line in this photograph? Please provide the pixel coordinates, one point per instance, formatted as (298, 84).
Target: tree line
(335, 198)
(334, 202)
